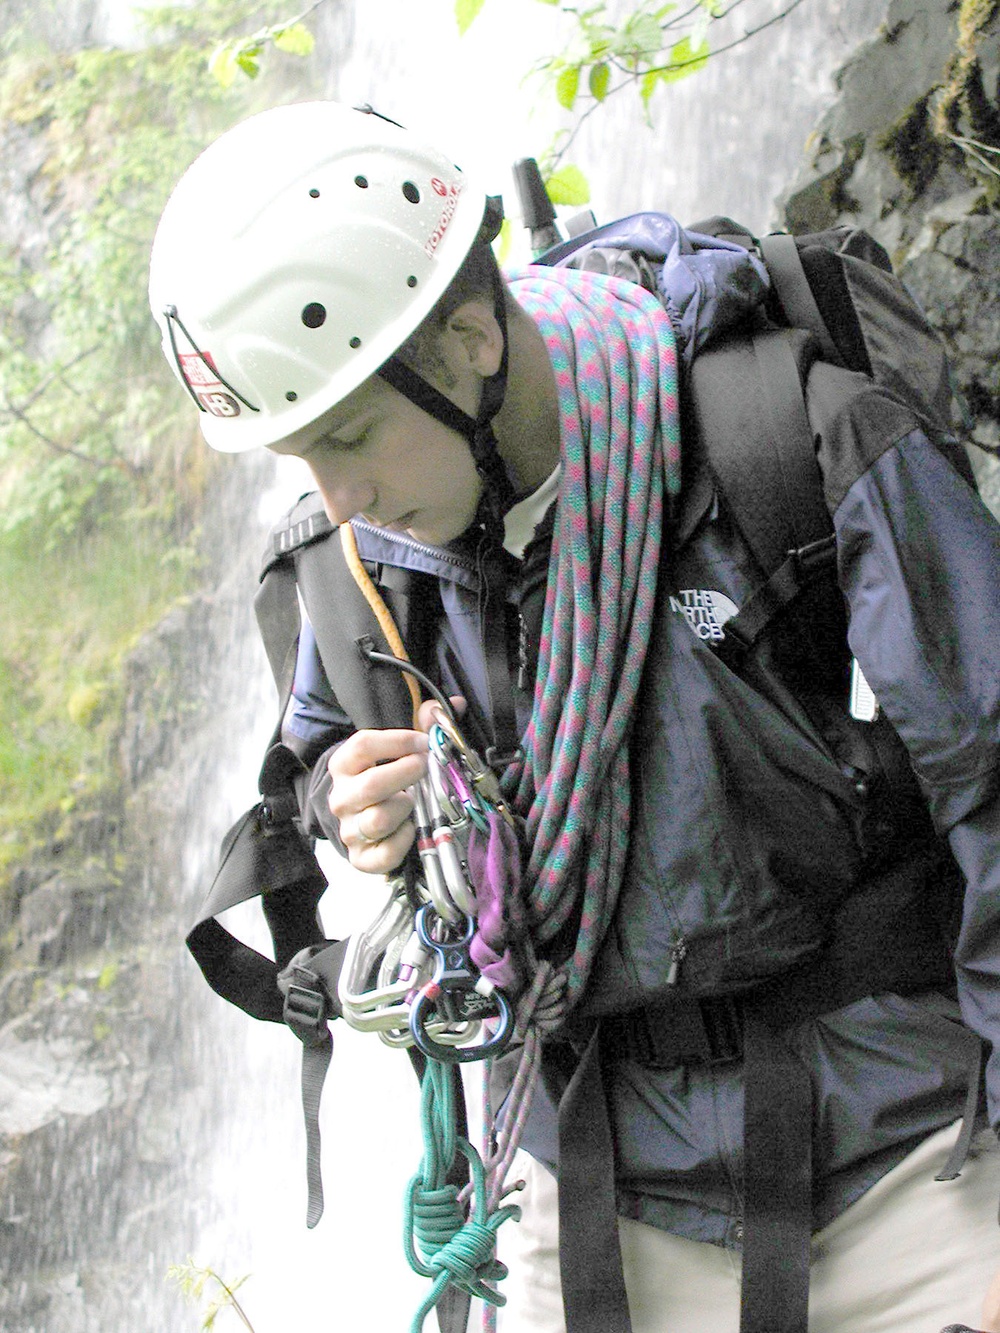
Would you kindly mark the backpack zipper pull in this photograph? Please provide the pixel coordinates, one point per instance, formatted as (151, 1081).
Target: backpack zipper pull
(678, 952)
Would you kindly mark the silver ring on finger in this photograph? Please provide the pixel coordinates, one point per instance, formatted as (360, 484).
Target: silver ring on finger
(368, 842)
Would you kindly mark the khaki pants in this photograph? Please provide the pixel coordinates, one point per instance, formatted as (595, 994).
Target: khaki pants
(911, 1256)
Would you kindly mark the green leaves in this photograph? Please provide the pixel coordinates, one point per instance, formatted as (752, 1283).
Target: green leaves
(90, 419)
(192, 1281)
(599, 80)
(568, 185)
(567, 86)
(609, 47)
(466, 12)
(244, 54)
(685, 58)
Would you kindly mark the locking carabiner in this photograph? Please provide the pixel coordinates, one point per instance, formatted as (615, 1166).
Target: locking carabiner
(457, 992)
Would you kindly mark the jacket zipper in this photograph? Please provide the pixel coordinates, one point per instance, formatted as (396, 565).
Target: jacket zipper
(435, 552)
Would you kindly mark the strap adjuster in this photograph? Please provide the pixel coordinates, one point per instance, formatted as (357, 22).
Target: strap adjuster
(811, 559)
(304, 1011)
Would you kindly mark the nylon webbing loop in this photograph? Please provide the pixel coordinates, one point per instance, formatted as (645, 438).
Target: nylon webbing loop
(309, 987)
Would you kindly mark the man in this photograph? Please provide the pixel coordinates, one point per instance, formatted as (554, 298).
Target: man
(711, 841)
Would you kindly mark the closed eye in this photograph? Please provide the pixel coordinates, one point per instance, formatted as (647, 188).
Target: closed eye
(337, 443)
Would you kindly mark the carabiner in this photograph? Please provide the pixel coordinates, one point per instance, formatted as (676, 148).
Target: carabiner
(457, 992)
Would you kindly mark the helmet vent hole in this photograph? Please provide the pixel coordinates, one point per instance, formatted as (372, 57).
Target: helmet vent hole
(361, 182)
(410, 192)
(411, 281)
(314, 193)
(291, 395)
(313, 315)
(355, 342)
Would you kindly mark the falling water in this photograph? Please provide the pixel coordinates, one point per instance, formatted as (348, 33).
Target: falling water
(225, 1130)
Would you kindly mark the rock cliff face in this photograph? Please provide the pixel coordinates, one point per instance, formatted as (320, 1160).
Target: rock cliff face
(99, 1053)
(873, 163)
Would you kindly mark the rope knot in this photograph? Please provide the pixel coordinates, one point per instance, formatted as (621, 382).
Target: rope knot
(469, 1256)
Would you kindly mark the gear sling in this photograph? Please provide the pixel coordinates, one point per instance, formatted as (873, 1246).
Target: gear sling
(748, 436)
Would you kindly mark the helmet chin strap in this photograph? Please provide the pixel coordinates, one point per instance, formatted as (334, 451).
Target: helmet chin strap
(498, 490)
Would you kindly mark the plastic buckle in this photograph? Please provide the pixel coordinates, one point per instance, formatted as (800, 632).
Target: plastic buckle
(723, 1020)
(277, 811)
(304, 1010)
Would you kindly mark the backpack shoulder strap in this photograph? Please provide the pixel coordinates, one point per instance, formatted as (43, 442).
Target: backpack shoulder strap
(307, 556)
(265, 854)
(788, 276)
(747, 408)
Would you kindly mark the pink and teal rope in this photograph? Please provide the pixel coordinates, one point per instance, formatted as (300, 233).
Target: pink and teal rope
(613, 354)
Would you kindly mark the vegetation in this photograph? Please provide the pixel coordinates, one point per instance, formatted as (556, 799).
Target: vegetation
(102, 471)
(644, 46)
(193, 1280)
(964, 114)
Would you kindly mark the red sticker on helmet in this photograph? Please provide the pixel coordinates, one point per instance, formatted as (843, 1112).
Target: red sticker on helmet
(199, 371)
(451, 193)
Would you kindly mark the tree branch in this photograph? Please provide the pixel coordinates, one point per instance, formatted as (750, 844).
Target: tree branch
(122, 464)
(750, 32)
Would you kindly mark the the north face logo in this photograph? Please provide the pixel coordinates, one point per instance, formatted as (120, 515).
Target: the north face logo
(705, 610)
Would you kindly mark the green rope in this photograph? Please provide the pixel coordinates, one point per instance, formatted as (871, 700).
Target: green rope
(457, 1250)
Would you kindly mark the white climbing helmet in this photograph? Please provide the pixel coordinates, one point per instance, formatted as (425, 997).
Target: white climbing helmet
(295, 255)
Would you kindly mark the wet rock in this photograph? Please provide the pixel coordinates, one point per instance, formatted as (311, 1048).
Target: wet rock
(67, 914)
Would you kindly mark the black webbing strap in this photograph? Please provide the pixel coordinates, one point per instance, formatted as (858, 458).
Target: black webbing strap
(492, 562)
(344, 625)
(788, 276)
(258, 858)
(798, 569)
(309, 987)
(747, 407)
(590, 1262)
(419, 391)
(978, 1054)
(777, 1183)
(277, 610)
(782, 358)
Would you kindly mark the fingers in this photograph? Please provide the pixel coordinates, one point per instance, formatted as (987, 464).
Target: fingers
(430, 710)
(369, 775)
